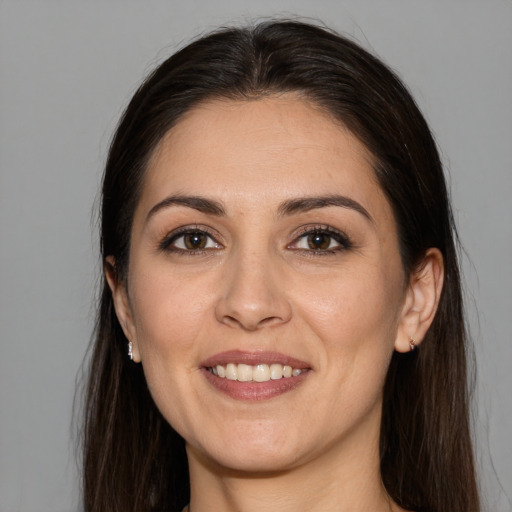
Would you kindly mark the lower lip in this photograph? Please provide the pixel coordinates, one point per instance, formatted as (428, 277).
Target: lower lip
(254, 391)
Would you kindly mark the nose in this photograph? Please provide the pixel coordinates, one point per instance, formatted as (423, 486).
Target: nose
(252, 294)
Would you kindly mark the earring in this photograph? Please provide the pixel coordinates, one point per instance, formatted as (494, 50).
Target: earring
(412, 344)
(130, 350)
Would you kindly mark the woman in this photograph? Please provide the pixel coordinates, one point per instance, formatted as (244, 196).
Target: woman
(281, 320)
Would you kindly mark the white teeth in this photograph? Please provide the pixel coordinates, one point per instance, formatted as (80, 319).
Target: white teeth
(256, 373)
(261, 373)
(244, 372)
(231, 372)
(276, 371)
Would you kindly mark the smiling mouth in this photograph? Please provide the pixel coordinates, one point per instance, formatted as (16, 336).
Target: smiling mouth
(255, 373)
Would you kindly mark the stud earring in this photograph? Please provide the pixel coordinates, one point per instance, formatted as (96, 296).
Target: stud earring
(412, 344)
(130, 350)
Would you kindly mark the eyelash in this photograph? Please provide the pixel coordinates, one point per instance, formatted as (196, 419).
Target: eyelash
(167, 243)
(338, 236)
(333, 234)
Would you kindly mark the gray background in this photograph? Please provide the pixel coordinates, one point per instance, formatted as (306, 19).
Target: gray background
(66, 71)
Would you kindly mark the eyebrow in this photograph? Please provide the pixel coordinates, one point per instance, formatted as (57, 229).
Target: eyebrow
(201, 204)
(305, 204)
(289, 207)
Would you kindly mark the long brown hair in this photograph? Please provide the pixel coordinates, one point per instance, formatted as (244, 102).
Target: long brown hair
(133, 459)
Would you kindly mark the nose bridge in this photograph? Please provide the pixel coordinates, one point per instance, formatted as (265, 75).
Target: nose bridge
(252, 295)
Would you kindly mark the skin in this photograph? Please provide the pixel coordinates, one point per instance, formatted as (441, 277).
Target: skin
(258, 285)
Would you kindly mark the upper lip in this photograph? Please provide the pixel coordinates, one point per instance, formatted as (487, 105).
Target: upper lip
(253, 357)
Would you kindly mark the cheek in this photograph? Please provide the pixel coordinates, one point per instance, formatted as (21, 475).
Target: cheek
(169, 312)
(170, 316)
(355, 315)
(356, 306)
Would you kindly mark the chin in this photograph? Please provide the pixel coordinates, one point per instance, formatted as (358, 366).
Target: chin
(254, 450)
(251, 462)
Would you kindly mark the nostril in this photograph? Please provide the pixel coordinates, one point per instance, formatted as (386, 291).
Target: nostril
(231, 321)
(249, 325)
(270, 320)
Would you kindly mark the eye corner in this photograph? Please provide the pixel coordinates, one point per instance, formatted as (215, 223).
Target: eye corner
(329, 240)
(189, 240)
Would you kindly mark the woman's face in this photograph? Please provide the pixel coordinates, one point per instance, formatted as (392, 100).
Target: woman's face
(263, 245)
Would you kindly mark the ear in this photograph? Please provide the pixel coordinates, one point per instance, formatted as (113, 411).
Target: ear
(421, 300)
(122, 305)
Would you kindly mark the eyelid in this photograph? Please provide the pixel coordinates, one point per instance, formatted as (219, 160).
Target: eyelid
(343, 240)
(166, 244)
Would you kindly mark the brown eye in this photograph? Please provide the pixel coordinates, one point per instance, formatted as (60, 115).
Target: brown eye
(189, 241)
(322, 240)
(195, 241)
(319, 241)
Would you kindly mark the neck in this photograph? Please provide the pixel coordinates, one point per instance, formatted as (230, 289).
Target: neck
(339, 480)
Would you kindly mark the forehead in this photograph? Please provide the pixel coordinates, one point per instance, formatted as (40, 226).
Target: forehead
(271, 148)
